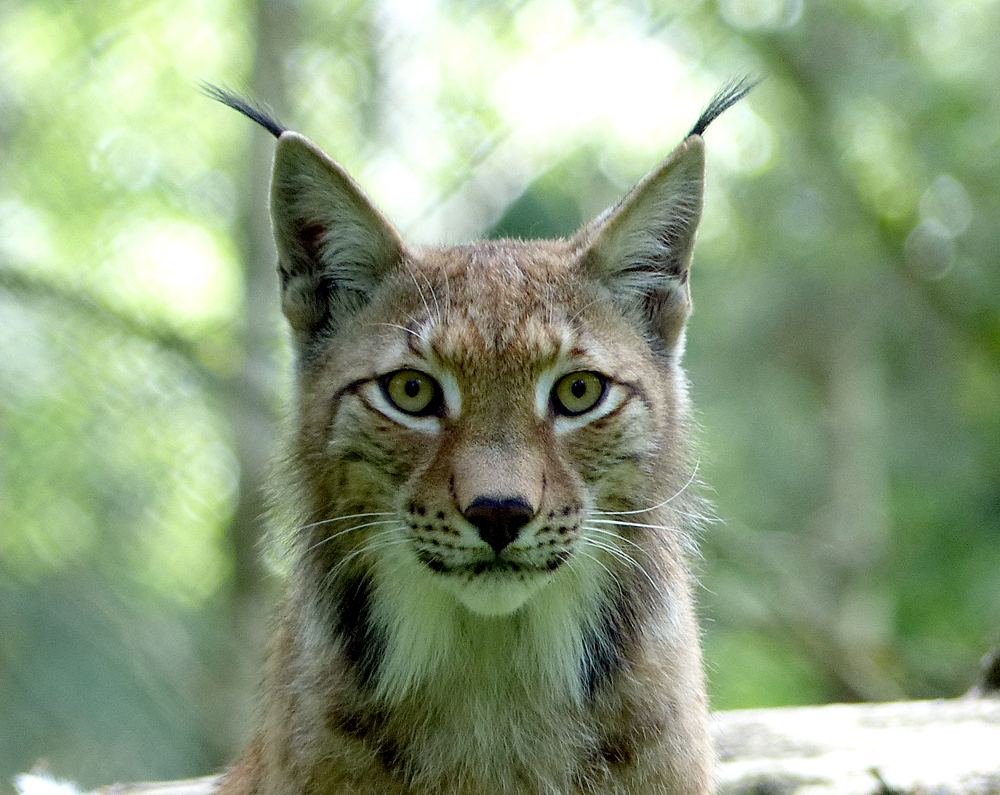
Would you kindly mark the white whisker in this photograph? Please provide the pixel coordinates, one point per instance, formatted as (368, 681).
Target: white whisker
(333, 519)
(378, 542)
(351, 529)
(437, 306)
(621, 555)
(616, 536)
(583, 309)
(599, 520)
(612, 550)
(446, 318)
(420, 292)
(586, 553)
(409, 331)
(671, 498)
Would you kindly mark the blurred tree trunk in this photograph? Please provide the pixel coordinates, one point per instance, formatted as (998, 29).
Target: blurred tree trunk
(251, 407)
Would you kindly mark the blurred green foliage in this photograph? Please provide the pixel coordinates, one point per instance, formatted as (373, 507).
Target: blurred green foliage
(844, 355)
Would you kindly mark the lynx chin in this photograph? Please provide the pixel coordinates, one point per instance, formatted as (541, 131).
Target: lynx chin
(487, 500)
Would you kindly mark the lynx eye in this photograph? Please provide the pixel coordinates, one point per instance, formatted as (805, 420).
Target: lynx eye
(578, 392)
(412, 392)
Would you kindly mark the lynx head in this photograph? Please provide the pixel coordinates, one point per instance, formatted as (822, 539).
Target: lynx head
(492, 419)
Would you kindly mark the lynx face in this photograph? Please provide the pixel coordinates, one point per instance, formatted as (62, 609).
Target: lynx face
(475, 416)
(495, 430)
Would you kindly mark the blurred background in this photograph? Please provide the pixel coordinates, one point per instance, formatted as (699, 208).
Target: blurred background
(844, 352)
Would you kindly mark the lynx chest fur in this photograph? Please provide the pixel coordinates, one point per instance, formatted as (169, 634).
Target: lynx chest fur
(489, 484)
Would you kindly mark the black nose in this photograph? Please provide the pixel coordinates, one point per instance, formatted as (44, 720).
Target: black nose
(499, 519)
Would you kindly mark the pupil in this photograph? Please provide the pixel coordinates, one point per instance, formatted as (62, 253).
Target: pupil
(412, 388)
(578, 388)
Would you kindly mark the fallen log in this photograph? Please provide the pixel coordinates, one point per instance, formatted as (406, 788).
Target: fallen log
(945, 747)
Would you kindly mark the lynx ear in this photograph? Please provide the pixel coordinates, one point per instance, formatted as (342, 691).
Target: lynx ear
(334, 245)
(641, 250)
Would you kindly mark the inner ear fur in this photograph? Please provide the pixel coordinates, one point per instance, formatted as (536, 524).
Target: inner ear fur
(334, 245)
(641, 250)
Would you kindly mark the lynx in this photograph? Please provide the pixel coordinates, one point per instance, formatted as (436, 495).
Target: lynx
(490, 477)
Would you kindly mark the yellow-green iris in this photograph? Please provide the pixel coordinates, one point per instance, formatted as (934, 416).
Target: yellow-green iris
(412, 391)
(578, 392)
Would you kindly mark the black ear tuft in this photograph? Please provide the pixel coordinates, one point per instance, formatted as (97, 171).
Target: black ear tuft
(245, 106)
(727, 96)
(641, 251)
